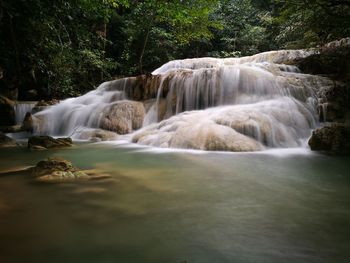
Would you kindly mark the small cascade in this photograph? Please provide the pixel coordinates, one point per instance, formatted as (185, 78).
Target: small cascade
(275, 57)
(21, 109)
(74, 113)
(235, 104)
(323, 111)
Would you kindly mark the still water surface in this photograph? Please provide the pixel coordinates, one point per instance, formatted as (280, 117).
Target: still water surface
(278, 206)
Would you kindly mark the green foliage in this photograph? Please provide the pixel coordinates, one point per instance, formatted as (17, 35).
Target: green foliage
(56, 47)
(309, 23)
(167, 24)
(64, 48)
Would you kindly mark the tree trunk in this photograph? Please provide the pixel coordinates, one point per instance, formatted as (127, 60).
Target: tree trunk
(104, 46)
(143, 51)
(15, 47)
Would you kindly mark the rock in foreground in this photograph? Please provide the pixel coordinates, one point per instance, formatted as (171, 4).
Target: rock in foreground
(47, 142)
(57, 169)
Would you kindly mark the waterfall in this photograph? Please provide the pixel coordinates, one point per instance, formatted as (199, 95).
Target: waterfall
(235, 104)
(21, 108)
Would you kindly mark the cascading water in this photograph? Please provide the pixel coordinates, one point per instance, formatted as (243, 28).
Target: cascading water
(236, 104)
(21, 109)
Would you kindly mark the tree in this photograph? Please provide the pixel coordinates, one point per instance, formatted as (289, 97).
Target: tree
(56, 47)
(180, 21)
(309, 23)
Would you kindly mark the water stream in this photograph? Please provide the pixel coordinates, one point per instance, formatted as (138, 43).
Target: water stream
(21, 109)
(178, 206)
(237, 104)
(281, 203)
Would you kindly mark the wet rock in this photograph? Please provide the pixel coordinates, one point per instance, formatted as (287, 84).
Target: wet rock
(27, 124)
(7, 112)
(336, 102)
(333, 138)
(47, 142)
(333, 60)
(6, 141)
(96, 135)
(123, 117)
(43, 104)
(56, 169)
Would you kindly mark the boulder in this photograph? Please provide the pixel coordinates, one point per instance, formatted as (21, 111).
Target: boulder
(47, 142)
(27, 124)
(123, 117)
(336, 102)
(6, 141)
(333, 138)
(56, 169)
(7, 112)
(332, 61)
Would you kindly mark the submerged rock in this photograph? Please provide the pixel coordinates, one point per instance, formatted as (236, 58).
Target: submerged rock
(123, 117)
(6, 141)
(57, 169)
(95, 135)
(333, 138)
(47, 142)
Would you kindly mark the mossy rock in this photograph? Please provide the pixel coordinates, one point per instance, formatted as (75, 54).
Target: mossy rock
(47, 142)
(57, 169)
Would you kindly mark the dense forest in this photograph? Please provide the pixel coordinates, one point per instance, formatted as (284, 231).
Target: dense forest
(61, 48)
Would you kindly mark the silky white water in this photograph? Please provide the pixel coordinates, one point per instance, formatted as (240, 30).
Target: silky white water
(21, 109)
(237, 104)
